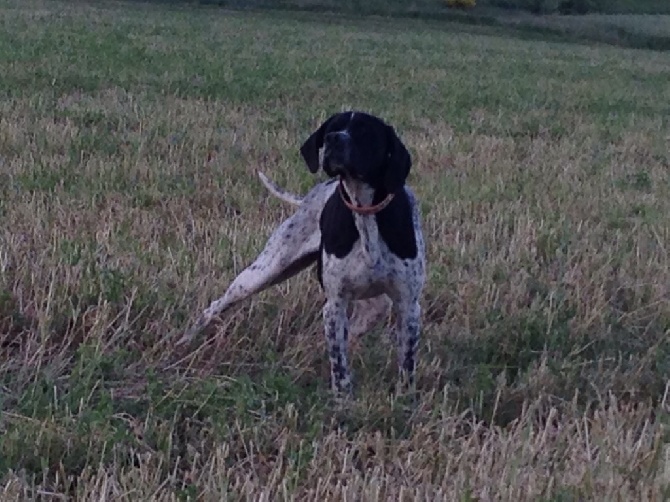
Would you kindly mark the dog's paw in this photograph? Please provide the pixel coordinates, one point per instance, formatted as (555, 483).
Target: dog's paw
(193, 331)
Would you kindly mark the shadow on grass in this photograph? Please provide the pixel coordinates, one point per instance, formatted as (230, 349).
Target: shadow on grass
(523, 357)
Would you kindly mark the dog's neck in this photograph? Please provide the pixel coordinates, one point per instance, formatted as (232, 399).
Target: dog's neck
(362, 194)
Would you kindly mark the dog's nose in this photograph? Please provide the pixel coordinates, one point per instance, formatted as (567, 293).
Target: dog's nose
(336, 139)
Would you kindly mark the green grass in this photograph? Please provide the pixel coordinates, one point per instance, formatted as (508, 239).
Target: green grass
(129, 139)
(626, 30)
(658, 26)
(639, 24)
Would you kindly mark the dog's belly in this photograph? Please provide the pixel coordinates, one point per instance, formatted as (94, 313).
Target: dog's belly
(368, 290)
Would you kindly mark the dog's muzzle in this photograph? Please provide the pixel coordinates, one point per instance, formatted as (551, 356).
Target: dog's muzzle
(337, 153)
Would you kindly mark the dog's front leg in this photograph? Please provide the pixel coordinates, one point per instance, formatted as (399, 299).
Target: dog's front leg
(336, 326)
(408, 327)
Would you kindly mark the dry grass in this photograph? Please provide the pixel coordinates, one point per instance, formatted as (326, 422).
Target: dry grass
(129, 138)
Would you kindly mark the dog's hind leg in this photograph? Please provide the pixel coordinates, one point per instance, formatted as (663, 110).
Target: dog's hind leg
(407, 330)
(292, 247)
(281, 259)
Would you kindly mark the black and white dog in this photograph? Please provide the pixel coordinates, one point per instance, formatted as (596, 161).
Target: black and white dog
(363, 230)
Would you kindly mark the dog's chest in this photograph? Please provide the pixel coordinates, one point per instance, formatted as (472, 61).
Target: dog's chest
(364, 272)
(356, 257)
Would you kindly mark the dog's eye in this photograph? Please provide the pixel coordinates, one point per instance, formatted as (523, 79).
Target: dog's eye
(361, 132)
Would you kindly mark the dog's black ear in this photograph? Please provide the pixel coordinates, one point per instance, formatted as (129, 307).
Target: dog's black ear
(398, 162)
(310, 148)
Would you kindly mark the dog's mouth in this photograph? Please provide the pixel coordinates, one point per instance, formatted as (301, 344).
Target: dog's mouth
(340, 168)
(337, 161)
(346, 175)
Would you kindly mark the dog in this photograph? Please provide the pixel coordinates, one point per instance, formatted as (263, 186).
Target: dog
(362, 228)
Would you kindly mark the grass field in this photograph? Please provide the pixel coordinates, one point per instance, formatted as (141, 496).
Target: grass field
(129, 140)
(636, 24)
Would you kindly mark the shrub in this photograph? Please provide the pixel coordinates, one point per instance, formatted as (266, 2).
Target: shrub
(461, 4)
(542, 6)
(551, 6)
(580, 6)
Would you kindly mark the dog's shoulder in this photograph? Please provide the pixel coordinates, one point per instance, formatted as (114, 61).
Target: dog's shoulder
(396, 225)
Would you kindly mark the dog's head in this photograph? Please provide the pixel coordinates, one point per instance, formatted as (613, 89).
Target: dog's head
(361, 147)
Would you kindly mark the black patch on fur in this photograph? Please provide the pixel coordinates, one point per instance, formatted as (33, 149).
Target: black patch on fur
(396, 227)
(338, 231)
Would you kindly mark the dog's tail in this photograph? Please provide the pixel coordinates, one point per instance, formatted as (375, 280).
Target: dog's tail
(280, 192)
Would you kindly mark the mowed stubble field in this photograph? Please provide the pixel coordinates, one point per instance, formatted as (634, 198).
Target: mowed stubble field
(129, 140)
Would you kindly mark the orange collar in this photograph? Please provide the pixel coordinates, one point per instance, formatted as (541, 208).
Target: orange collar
(364, 210)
